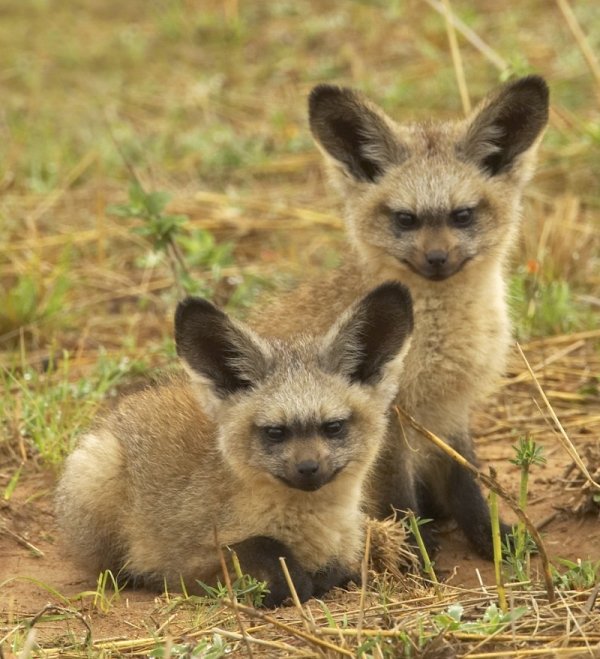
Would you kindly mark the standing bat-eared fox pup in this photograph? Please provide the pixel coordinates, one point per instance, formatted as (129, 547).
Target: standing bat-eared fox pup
(265, 447)
(435, 205)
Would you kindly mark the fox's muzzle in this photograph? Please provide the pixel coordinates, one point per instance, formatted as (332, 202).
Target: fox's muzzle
(309, 475)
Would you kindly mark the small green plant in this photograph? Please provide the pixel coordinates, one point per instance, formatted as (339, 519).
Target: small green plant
(199, 249)
(183, 250)
(33, 297)
(519, 546)
(579, 575)
(331, 621)
(12, 483)
(414, 524)
(159, 227)
(103, 600)
(245, 587)
(493, 619)
(207, 648)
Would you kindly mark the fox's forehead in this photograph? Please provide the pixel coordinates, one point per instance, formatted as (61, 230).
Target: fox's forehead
(302, 395)
(428, 138)
(417, 185)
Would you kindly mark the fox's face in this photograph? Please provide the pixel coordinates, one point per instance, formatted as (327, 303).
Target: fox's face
(431, 198)
(299, 412)
(428, 218)
(302, 424)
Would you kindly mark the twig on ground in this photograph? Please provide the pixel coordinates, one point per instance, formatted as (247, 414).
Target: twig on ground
(21, 540)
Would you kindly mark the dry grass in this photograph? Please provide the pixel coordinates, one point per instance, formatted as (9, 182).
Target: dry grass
(412, 622)
(207, 101)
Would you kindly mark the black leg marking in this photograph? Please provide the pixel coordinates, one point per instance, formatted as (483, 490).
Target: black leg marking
(471, 511)
(332, 576)
(399, 492)
(259, 557)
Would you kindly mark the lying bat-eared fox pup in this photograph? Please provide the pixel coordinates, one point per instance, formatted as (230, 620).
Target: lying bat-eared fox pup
(435, 206)
(267, 445)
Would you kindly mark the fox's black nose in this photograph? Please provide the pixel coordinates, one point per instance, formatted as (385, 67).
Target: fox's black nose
(436, 257)
(308, 467)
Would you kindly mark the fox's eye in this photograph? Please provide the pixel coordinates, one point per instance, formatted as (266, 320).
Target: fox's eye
(405, 220)
(334, 428)
(462, 217)
(275, 433)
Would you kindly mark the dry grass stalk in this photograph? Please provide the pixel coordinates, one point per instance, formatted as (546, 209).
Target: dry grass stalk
(29, 644)
(364, 575)
(550, 359)
(295, 598)
(472, 37)
(389, 551)
(20, 539)
(580, 38)
(497, 545)
(456, 59)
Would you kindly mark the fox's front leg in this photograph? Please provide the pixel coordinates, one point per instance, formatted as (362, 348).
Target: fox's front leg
(396, 488)
(332, 576)
(259, 557)
(468, 505)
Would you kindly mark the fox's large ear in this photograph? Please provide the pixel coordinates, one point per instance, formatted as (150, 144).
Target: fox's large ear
(369, 342)
(353, 132)
(221, 355)
(506, 125)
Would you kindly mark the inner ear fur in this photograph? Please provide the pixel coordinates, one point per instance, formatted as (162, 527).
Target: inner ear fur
(370, 334)
(223, 353)
(353, 131)
(507, 124)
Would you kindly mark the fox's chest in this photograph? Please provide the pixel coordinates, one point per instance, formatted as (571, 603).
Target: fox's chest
(458, 349)
(317, 528)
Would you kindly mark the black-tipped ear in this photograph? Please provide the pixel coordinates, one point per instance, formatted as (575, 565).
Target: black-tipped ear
(370, 334)
(507, 124)
(352, 132)
(223, 354)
